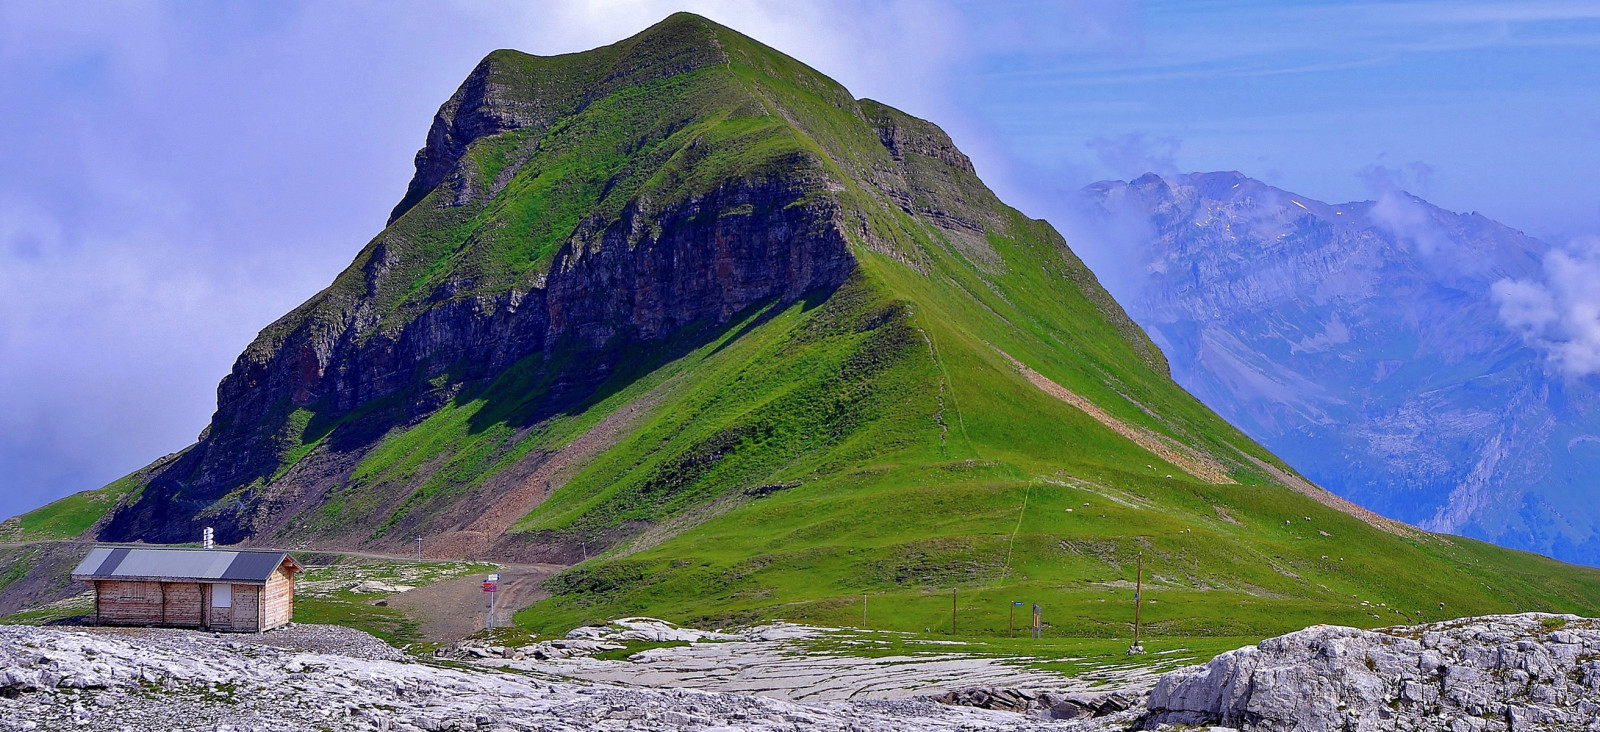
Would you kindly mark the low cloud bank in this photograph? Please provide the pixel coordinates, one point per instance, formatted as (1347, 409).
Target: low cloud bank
(1559, 313)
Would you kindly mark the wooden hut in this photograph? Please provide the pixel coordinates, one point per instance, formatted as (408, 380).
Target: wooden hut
(245, 590)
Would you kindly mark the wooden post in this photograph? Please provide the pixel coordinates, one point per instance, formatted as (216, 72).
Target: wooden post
(1138, 597)
(952, 611)
(1138, 589)
(1011, 623)
(863, 611)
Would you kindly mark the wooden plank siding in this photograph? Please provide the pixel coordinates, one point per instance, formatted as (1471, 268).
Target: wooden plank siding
(278, 600)
(130, 603)
(184, 602)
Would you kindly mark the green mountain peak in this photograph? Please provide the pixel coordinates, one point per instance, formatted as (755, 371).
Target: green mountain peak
(684, 312)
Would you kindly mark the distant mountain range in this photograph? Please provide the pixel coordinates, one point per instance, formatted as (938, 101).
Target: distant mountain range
(1363, 343)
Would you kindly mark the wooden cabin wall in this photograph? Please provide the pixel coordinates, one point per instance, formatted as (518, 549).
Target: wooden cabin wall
(246, 608)
(279, 598)
(183, 603)
(129, 603)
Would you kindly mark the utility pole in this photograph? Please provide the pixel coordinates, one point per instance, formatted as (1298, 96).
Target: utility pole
(419, 548)
(1011, 622)
(863, 611)
(1138, 590)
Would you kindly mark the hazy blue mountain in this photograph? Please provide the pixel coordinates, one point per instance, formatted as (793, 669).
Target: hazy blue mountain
(1361, 343)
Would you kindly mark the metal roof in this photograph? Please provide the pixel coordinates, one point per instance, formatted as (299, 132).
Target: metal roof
(243, 565)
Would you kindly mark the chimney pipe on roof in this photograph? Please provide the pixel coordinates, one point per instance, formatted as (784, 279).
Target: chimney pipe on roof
(208, 539)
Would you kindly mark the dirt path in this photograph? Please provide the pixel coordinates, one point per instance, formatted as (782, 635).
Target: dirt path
(1184, 457)
(454, 609)
(478, 539)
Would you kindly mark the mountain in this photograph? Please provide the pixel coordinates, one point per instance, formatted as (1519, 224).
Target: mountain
(1361, 342)
(683, 311)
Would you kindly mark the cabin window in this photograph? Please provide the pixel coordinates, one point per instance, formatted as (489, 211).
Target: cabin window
(222, 595)
(133, 591)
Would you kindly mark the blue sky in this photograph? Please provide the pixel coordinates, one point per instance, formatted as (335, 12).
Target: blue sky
(174, 176)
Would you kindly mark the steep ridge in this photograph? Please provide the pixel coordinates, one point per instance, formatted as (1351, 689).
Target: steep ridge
(747, 347)
(1361, 342)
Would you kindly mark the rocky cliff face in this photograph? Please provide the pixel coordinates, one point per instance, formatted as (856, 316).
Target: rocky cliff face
(1361, 342)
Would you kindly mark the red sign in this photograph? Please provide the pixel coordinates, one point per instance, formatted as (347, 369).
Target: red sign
(491, 587)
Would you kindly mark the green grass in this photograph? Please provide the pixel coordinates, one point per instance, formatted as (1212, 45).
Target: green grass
(70, 517)
(393, 626)
(61, 610)
(324, 596)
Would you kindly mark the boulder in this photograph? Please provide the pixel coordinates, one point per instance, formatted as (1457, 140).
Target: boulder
(1529, 671)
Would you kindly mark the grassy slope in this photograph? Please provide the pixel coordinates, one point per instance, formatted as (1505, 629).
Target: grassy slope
(907, 517)
(69, 517)
(870, 440)
(895, 507)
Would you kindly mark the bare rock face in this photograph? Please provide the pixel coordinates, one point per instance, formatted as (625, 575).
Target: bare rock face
(1506, 672)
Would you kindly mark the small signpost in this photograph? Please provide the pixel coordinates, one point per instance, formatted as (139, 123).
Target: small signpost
(1038, 621)
(1011, 624)
(491, 585)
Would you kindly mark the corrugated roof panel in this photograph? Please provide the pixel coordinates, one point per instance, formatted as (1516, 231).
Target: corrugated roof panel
(256, 566)
(97, 556)
(113, 560)
(195, 563)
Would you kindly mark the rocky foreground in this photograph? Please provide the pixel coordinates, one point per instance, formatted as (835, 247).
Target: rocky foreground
(61, 679)
(1503, 672)
(1500, 673)
(782, 660)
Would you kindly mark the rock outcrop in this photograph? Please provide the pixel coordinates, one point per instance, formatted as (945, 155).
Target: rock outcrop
(1042, 704)
(1499, 673)
(1507, 673)
(52, 679)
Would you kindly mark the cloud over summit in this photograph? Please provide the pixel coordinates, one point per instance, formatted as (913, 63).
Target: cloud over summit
(1560, 313)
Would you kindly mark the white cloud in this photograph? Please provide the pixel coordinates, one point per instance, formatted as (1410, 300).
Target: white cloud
(1560, 314)
(1404, 216)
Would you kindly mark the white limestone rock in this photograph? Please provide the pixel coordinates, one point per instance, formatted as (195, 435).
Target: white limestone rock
(1495, 673)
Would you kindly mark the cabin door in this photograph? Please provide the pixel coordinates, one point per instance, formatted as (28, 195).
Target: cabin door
(221, 606)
